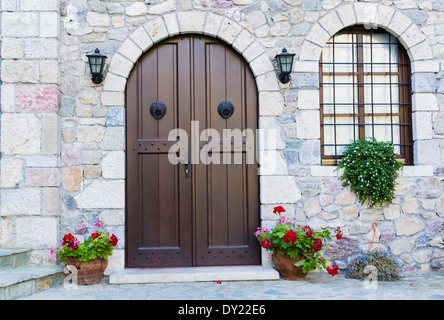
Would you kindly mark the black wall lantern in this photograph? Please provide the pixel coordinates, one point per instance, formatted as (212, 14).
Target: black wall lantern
(285, 64)
(96, 64)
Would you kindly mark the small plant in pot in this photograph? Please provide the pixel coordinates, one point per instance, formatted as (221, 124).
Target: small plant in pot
(296, 249)
(90, 258)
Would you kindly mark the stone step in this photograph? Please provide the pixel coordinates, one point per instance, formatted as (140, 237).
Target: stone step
(25, 280)
(193, 274)
(14, 257)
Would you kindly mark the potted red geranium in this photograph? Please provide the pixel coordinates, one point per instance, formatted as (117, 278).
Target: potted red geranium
(296, 249)
(90, 257)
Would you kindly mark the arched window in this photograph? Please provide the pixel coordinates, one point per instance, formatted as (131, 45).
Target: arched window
(365, 91)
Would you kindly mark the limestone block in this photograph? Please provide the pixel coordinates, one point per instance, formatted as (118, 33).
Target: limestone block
(91, 172)
(20, 71)
(426, 152)
(112, 217)
(12, 48)
(191, 21)
(50, 133)
(163, 7)
(130, 50)
(50, 202)
(279, 189)
(7, 98)
(253, 51)
(20, 24)
(171, 24)
(318, 35)
(408, 226)
(114, 82)
(72, 178)
(399, 23)
(391, 212)
(308, 124)
(345, 199)
(272, 163)
(49, 70)
(256, 19)
(40, 98)
(270, 103)
(424, 102)
(371, 215)
(71, 153)
(95, 19)
(90, 133)
(422, 125)
(417, 171)
(112, 98)
(20, 134)
(212, 24)
(308, 99)
(42, 177)
(114, 139)
(267, 82)
(349, 213)
(310, 51)
(312, 208)
(384, 15)
(10, 172)
(156, 29)
(270, 134)
(41, 48)
(401, 245)
(261, 65)
(113, 165)
(20, 202)
(366, 12)
(49, 24)
(412, 36)
(242, 42)
(346, 14)
(136, 9)
(102, 195)
(280, 29)
(36, 232)
(331, 23)
(229, 30)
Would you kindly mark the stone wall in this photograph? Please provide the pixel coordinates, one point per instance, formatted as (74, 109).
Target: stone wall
(63, 136)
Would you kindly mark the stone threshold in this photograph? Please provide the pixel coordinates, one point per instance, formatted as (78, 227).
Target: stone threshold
(193, 274)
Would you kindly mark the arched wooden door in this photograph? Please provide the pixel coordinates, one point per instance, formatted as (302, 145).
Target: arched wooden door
(206, 216)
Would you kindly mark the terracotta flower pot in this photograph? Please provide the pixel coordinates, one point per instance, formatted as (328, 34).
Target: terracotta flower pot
(286, 267)
(89, 272)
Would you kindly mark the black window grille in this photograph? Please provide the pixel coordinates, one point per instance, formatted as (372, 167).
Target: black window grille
(365, 91)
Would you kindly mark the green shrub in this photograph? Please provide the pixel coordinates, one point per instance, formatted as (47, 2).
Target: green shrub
(383, 262)
(370, 169)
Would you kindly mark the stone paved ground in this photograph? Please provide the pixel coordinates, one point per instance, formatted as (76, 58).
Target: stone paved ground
(316, 286)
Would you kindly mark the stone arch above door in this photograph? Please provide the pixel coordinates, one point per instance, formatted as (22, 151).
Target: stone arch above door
(198, 22)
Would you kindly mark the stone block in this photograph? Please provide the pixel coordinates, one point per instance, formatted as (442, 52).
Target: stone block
(308, 124)
(408, 226)
(50, 133)
(49, 24)
(72, 178)
(163, 7)
(114, 82)
(102, 195)
(349, 213)
(91, 172)
(115, 116)
(50, 202)
(20, 134)
(10, 172)
(71, 153)
(318, 35)
(130, 50)
(261, 65)
(190, 22)
(171, 24)
(20, 71)
(347, 14)
(271, 163)
(136, 9)
(421, 51)
(41, 48)
(20, 24)
(12, 48)
(17, 202)
(36, 232)
(253, 51)
(391, 212)
(279, 189)
(308, 99)
(424, 102)
(229, 30)
(305, 81)
(270, 103)
(312, 208)
(42, 177)
(412, 36)
(114, 139)
(422, 125)
(399, 23)
(113, 165)
(40, 98)
(90, 133)
(425, 152)
(267, 82)
(401, 245)
(310, 51)
(212, 24)
(95, 19)
(49, 71)
(423, 82)
(417, 171)
(242, 42)
(331, 23)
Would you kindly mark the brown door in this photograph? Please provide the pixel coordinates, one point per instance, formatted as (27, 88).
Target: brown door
(208, 216)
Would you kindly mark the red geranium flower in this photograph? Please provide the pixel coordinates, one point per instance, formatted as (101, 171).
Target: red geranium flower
(333, 271)
(95, 235)
(317, 245)
(278, 209)
(291, 237)
(338, 233)
(308, 231)
(113, 240)
(68, 237)
(265, 244)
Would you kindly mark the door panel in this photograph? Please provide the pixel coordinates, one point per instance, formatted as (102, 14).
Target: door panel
(208, 218)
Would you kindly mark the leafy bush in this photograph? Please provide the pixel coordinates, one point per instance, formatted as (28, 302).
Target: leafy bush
(385, 263)
(370, 169)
